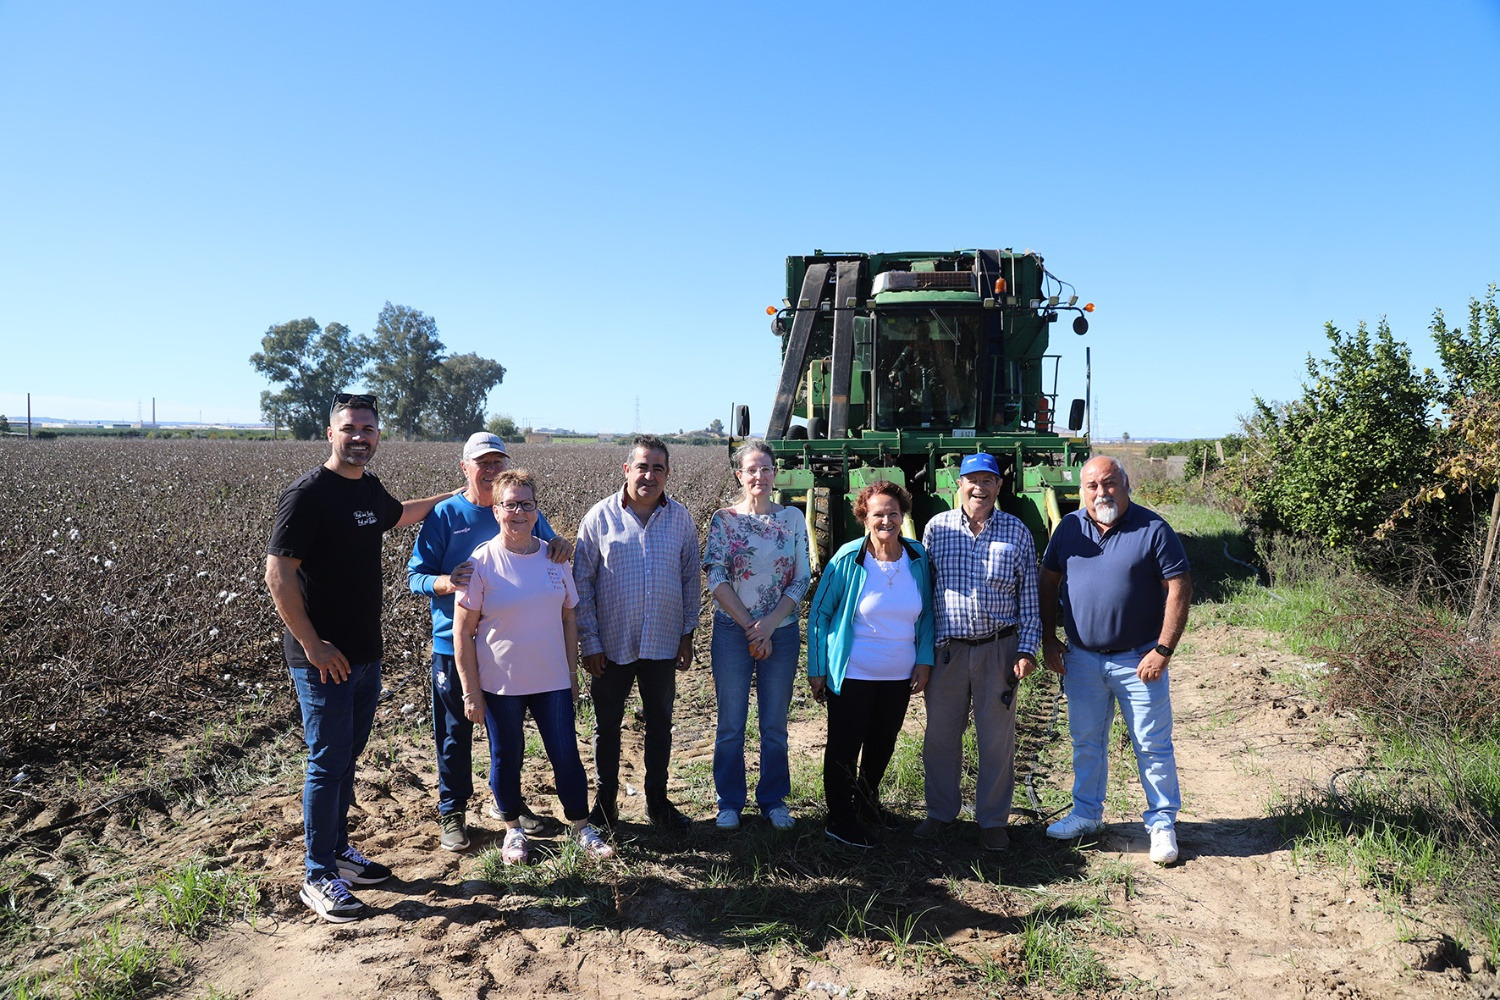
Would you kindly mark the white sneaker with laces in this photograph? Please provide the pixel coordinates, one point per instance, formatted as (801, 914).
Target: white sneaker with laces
(1164, 845)
(781, 818)
(1073, 826)
(728, 820)
(331, 899)
(593, 845)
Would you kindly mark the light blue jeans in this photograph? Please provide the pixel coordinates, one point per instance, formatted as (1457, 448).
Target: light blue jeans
(1094, 683)
(734, 669)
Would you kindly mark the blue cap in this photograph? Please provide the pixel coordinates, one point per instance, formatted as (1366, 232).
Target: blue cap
(982, 462)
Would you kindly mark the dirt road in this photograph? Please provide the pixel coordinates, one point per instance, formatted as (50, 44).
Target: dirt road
(1237, 916)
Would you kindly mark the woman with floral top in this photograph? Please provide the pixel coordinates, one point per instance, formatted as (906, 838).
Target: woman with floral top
(757, 568)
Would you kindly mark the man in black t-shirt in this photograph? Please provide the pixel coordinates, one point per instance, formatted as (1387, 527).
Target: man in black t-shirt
(323, 571)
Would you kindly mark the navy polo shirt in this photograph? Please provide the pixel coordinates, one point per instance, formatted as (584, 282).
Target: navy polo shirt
(1112, 593)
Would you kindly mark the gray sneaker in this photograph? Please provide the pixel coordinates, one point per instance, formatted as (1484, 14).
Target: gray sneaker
(455, 832)
(331, 899)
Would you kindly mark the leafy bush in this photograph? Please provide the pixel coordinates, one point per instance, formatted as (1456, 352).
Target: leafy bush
(1334, 464)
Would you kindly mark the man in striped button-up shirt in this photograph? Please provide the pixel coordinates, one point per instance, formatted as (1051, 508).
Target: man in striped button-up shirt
(988, 630)
(639, 590)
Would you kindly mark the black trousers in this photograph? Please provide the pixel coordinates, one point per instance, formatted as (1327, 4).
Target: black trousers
(658, 683)
(864, 719)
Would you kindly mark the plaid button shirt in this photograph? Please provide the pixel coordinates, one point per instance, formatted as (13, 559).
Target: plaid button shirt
(984, 583)
(639, 585)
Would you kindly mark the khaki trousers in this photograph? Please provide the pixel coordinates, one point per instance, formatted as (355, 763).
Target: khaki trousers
(974, 676)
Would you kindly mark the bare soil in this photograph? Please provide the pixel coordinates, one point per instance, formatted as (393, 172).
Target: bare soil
(1236, 916)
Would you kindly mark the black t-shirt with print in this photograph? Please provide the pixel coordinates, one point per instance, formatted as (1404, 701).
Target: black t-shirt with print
(333, 525)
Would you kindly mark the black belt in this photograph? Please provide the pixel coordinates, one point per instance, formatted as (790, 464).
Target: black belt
(1108, 652)
(999, 633)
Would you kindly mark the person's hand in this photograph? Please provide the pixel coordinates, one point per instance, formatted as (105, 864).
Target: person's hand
(330, 662)
(1151, 667)
(1024, 665)
(473, 707)
(559, 549)
(459, 577)
(919, 677)
(685, 652)
(1052, 653)
(819, 687)
(760, 648)
(593, 663)
(573, 681)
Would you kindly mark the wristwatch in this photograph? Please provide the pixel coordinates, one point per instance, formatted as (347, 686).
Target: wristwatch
(1164, 650)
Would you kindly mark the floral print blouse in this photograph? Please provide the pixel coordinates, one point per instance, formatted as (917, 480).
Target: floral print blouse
(763, 556)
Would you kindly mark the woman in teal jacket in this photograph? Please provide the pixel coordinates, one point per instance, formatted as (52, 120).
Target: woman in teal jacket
(869, 649)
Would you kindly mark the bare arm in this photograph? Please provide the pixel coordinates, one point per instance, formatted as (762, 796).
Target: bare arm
(1174, 621)
(466, 656)
(281, 581)
(570, 646)
(413, 511)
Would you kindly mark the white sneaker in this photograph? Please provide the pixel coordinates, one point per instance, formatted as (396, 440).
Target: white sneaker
(1164, 845)
(728, 820)
(1073, 826)
(781, 817)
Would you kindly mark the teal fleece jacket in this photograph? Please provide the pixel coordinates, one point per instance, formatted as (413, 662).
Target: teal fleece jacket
(830, 621)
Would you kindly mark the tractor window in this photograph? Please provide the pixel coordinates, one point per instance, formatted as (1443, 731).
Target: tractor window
(925, 370)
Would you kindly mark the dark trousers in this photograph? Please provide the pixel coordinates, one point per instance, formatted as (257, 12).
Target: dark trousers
(454, 736)
(864, 719)
(552, 711)
(658, 684)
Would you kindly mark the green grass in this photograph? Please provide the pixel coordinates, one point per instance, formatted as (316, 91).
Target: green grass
(192, 897)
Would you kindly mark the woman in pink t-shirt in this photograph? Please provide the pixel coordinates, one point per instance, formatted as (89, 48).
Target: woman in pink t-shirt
(516, 647)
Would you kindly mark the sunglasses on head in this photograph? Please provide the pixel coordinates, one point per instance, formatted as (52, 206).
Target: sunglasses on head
(353, 401)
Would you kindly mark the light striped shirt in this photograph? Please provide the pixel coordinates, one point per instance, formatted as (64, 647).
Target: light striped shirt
(639, 586)
(984, 583)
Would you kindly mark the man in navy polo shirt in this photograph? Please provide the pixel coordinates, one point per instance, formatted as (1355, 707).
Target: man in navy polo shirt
(1123, 579)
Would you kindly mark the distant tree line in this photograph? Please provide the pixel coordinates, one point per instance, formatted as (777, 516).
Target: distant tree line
(422, 390)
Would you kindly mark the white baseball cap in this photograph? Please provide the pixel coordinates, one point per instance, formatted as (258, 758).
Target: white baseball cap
(483, 443)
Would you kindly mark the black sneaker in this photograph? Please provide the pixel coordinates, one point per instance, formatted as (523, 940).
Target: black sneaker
(360, 870)
(848, 832)
(331, 899)
(665, 816)
(878, 817)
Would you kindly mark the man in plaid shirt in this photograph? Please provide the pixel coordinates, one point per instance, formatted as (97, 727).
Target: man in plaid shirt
(988, 630)
(639, 590)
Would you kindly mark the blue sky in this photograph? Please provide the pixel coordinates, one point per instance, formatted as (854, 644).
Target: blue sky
(601, 197)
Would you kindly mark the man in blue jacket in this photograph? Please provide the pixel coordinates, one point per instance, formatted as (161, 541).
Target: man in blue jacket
(439, 566)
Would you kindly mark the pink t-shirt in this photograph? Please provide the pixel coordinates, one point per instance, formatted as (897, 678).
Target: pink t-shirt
(520, 600)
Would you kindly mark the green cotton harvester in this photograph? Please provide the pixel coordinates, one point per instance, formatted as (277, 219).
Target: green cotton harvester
(896, 365)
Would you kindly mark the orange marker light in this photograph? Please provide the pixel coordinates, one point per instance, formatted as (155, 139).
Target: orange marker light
(770, 310)
(1000, 286)
(1088, 307)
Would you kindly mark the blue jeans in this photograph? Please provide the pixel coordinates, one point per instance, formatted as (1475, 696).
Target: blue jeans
(1094, 683)
(553, 714)
(336, 724)
(453, 735)
(734, 669)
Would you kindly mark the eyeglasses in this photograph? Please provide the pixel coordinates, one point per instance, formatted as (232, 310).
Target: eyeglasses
(352, 401)
(512, 506)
